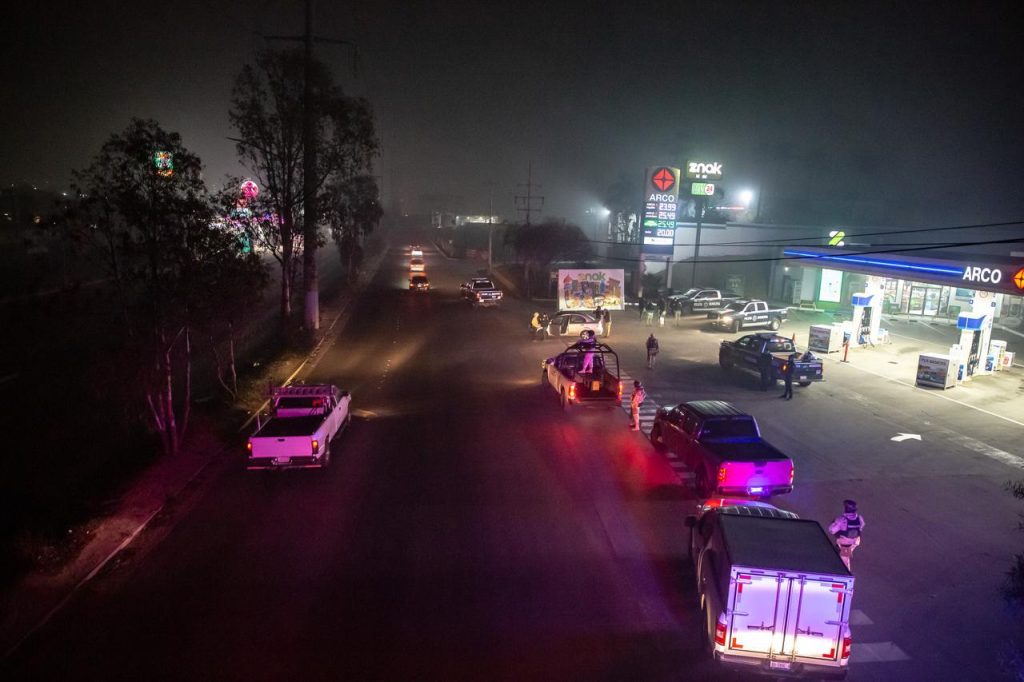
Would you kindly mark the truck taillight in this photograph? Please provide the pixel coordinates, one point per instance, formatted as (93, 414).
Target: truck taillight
(316, 446)
(248, 446)
(792, 473)
(572, 391)
(620, 390)
(720, 630)
(847, 645)
(722, 474)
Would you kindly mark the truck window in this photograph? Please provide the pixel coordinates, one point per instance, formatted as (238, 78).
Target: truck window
(733, 427)
(760, 306)
(781, 345)
(751, 307)
(746, 342)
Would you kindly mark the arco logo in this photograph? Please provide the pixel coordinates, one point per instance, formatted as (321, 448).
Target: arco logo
(664, 179)
(1018, 279)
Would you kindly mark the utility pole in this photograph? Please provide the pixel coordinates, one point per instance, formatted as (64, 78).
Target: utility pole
(311, 278)
(524, 203)
(490, 228)
(696, 242)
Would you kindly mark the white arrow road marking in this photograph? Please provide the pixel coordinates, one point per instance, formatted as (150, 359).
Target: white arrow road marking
(905, 436)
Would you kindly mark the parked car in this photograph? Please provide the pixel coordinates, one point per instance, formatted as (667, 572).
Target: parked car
(575, 324)
(768, 355)
(700, 300)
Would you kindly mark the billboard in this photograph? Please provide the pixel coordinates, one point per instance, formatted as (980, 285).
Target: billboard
(587, 289)
(661, 210)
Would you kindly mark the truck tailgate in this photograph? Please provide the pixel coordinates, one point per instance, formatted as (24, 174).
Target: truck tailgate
(805, 370)
(788, 618)
(762, 477)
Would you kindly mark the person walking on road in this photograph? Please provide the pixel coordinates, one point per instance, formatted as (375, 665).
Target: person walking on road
(652, 351)
(635, 400)
(787, 376)
(846, 529)
(607, 323)
(649, 313)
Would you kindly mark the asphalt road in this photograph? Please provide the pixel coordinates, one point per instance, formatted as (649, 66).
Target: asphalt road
(467, 529)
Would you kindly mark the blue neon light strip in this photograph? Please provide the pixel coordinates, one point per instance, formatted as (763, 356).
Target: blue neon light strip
(879, 263)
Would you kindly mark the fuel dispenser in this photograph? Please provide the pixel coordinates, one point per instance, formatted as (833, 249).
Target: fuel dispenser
(867, 312)
(975, 329)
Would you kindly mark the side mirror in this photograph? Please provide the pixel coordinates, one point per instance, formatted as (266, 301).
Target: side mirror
(690, 522)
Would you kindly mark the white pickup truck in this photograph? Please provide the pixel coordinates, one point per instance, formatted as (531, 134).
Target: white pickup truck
(305, 420)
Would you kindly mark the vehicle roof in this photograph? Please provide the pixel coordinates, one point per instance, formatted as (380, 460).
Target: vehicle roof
(742, 506)
(715, 408)
(418, 275)
(592, 347)
(781, 544)
(590, 316)
(303, 390)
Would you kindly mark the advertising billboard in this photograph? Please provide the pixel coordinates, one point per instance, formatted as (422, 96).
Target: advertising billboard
(661, 210)
(587, 289)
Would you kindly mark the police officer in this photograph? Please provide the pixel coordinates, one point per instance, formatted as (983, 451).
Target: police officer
(635, 400)
(787, 376)
(846, 529)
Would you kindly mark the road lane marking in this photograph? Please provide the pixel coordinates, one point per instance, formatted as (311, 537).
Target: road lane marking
(987, 450)
(877, 652)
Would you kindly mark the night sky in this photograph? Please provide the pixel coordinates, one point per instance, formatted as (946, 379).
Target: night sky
(912, 106)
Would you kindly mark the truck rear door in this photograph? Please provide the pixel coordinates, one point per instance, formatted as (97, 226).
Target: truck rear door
(788, 618)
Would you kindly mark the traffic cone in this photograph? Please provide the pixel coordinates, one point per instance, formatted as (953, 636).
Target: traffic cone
(794, 338)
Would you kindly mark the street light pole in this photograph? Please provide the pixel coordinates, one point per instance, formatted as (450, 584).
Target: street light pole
(490, 230)
(696, 241)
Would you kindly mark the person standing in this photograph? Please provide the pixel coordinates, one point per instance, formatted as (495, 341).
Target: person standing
(787, 376)
(545, 321)
(635, 400)
(847, 529)
(661, 313)
(649, 313)
(607, 323)
(652, 351)
(588, 342)
(535, 326)
(677, 311)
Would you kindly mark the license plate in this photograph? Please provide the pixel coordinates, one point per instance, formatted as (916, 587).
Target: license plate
(780, 665)
(803, 377)
(282, 460)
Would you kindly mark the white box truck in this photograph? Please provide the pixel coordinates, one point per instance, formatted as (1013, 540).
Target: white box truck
(775, 596)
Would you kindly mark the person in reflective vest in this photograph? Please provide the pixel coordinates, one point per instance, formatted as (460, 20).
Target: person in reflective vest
(847, 529)
(638, 397)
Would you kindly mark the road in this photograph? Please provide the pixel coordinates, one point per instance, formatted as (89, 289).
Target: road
(469, 530)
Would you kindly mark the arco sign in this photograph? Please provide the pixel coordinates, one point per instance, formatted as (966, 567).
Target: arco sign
(974, 273)
(661, 209)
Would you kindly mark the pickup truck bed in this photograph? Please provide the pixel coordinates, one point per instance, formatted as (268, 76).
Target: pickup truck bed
(294, 426)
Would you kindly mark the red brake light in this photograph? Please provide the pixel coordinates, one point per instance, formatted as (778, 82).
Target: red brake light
(792, 473)
(316, 446)
(248, 446)
(721, 474)
(720, 633)
(572, 391)
(620, 390)
(847, 645)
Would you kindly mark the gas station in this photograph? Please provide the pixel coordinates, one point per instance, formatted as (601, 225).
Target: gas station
(975, 292)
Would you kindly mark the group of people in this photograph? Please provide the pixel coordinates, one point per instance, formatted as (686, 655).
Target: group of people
(539, 325)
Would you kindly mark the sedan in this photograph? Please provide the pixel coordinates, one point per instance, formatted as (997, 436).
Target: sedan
(574, 324)
(417, 265)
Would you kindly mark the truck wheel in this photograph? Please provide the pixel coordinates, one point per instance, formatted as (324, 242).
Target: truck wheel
(804, 383)
(775, 324)
(656, 439)
(724, 361)
(707, 643)
(735, 326)
(325, 461)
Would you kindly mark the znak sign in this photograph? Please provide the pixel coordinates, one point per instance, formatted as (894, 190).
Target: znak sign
(703, 170)
(664, 179)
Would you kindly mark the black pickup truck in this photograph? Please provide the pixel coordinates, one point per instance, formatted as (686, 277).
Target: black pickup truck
(768, 355)
(481, 291)
(746, 312)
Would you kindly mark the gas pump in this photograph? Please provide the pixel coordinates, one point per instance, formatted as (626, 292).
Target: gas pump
(867, 312)
(975, 334)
